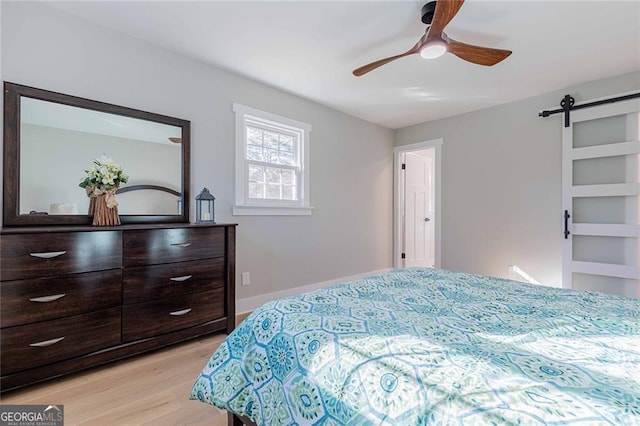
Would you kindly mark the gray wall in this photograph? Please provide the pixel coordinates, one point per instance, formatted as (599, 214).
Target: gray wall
(43, 181)
(351, 160)
(501, 182)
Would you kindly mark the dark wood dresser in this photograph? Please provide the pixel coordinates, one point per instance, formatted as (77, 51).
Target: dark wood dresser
(76, 297)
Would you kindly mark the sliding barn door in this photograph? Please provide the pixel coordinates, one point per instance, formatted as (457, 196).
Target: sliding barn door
(601, 209)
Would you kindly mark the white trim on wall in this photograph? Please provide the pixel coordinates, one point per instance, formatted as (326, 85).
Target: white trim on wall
(398, 197)
(249, 304)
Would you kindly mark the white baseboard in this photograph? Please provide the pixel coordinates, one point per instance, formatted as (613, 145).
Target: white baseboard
(249, 304)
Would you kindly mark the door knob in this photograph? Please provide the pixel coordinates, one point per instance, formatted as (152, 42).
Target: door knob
(426, 219)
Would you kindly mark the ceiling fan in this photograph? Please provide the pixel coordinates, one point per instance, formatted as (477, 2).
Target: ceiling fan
(435, 42)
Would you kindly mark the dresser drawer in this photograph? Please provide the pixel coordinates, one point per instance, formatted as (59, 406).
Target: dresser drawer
(39, 299)
(149, 247)
(142, 283)
(165, 315)
(29, 346)
(49, 254)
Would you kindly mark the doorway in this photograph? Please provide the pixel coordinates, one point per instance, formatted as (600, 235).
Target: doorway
(417, 194)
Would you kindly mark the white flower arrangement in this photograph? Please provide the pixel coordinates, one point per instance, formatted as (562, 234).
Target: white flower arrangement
(105, 175)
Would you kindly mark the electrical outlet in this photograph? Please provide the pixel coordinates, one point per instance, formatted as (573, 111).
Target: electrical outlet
(245, 278)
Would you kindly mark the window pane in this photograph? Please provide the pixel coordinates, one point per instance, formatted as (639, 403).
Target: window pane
(256, 173)
(254, 136)
(286, 158)
(286, 143)
(273, 175)
(271, 140)
(273, 157)
(289, 192)
(255, 153)
(256, 190)
(288, 177)
(273, 192)
(273, 170)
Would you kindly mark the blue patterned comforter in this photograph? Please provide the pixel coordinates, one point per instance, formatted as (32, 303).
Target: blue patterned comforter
(426, 346)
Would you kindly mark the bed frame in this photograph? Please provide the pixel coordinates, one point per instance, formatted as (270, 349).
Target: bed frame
(154, 187)
(235, 420)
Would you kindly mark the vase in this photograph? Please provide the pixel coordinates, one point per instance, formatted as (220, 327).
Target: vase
(102, 214)
(92, 205)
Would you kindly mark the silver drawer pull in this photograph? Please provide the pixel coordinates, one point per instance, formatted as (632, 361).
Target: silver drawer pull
(180, 313)
(47, 255)
(46, 342)
(182, 278)
(45, 299)
(181, 245)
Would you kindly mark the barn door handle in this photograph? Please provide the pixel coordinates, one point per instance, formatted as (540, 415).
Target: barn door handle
(566, 224)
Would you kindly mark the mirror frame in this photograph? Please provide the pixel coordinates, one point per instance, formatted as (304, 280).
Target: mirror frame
(11, 172)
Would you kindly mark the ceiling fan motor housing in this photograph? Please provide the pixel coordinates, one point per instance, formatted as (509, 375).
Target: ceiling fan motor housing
(427, 12)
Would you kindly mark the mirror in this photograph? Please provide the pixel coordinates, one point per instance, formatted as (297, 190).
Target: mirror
(51, 139)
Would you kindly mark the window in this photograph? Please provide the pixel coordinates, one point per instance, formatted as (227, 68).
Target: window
(272, 164)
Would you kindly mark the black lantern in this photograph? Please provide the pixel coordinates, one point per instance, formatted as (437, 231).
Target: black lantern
(204, 207)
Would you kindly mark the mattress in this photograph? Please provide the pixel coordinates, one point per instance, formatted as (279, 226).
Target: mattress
(424, 346)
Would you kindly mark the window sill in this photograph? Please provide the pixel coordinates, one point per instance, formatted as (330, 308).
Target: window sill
(271, 211)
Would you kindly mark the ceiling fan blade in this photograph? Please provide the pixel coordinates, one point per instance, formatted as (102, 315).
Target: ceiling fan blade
(476, 54)
(444, 13)
(373, 65)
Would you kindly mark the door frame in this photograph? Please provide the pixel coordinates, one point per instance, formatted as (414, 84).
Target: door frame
(398, 197)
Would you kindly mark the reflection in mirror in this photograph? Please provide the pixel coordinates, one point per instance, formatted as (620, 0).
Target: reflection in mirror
(59, 142)
(50, 139)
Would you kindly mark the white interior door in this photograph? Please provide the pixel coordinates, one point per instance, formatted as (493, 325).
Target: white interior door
(601, 188)
(419, 207)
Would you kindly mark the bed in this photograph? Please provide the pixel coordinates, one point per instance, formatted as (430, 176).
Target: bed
(422, 346)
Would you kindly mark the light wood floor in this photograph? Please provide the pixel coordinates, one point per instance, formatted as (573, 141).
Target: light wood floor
(151, 389)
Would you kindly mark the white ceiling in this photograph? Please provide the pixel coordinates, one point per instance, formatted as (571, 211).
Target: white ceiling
(61, 116)
(309, 48)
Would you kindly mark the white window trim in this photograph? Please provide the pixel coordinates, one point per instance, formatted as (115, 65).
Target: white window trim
(242, 206)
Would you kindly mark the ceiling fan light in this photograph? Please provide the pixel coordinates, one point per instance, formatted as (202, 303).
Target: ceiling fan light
(433, 50)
